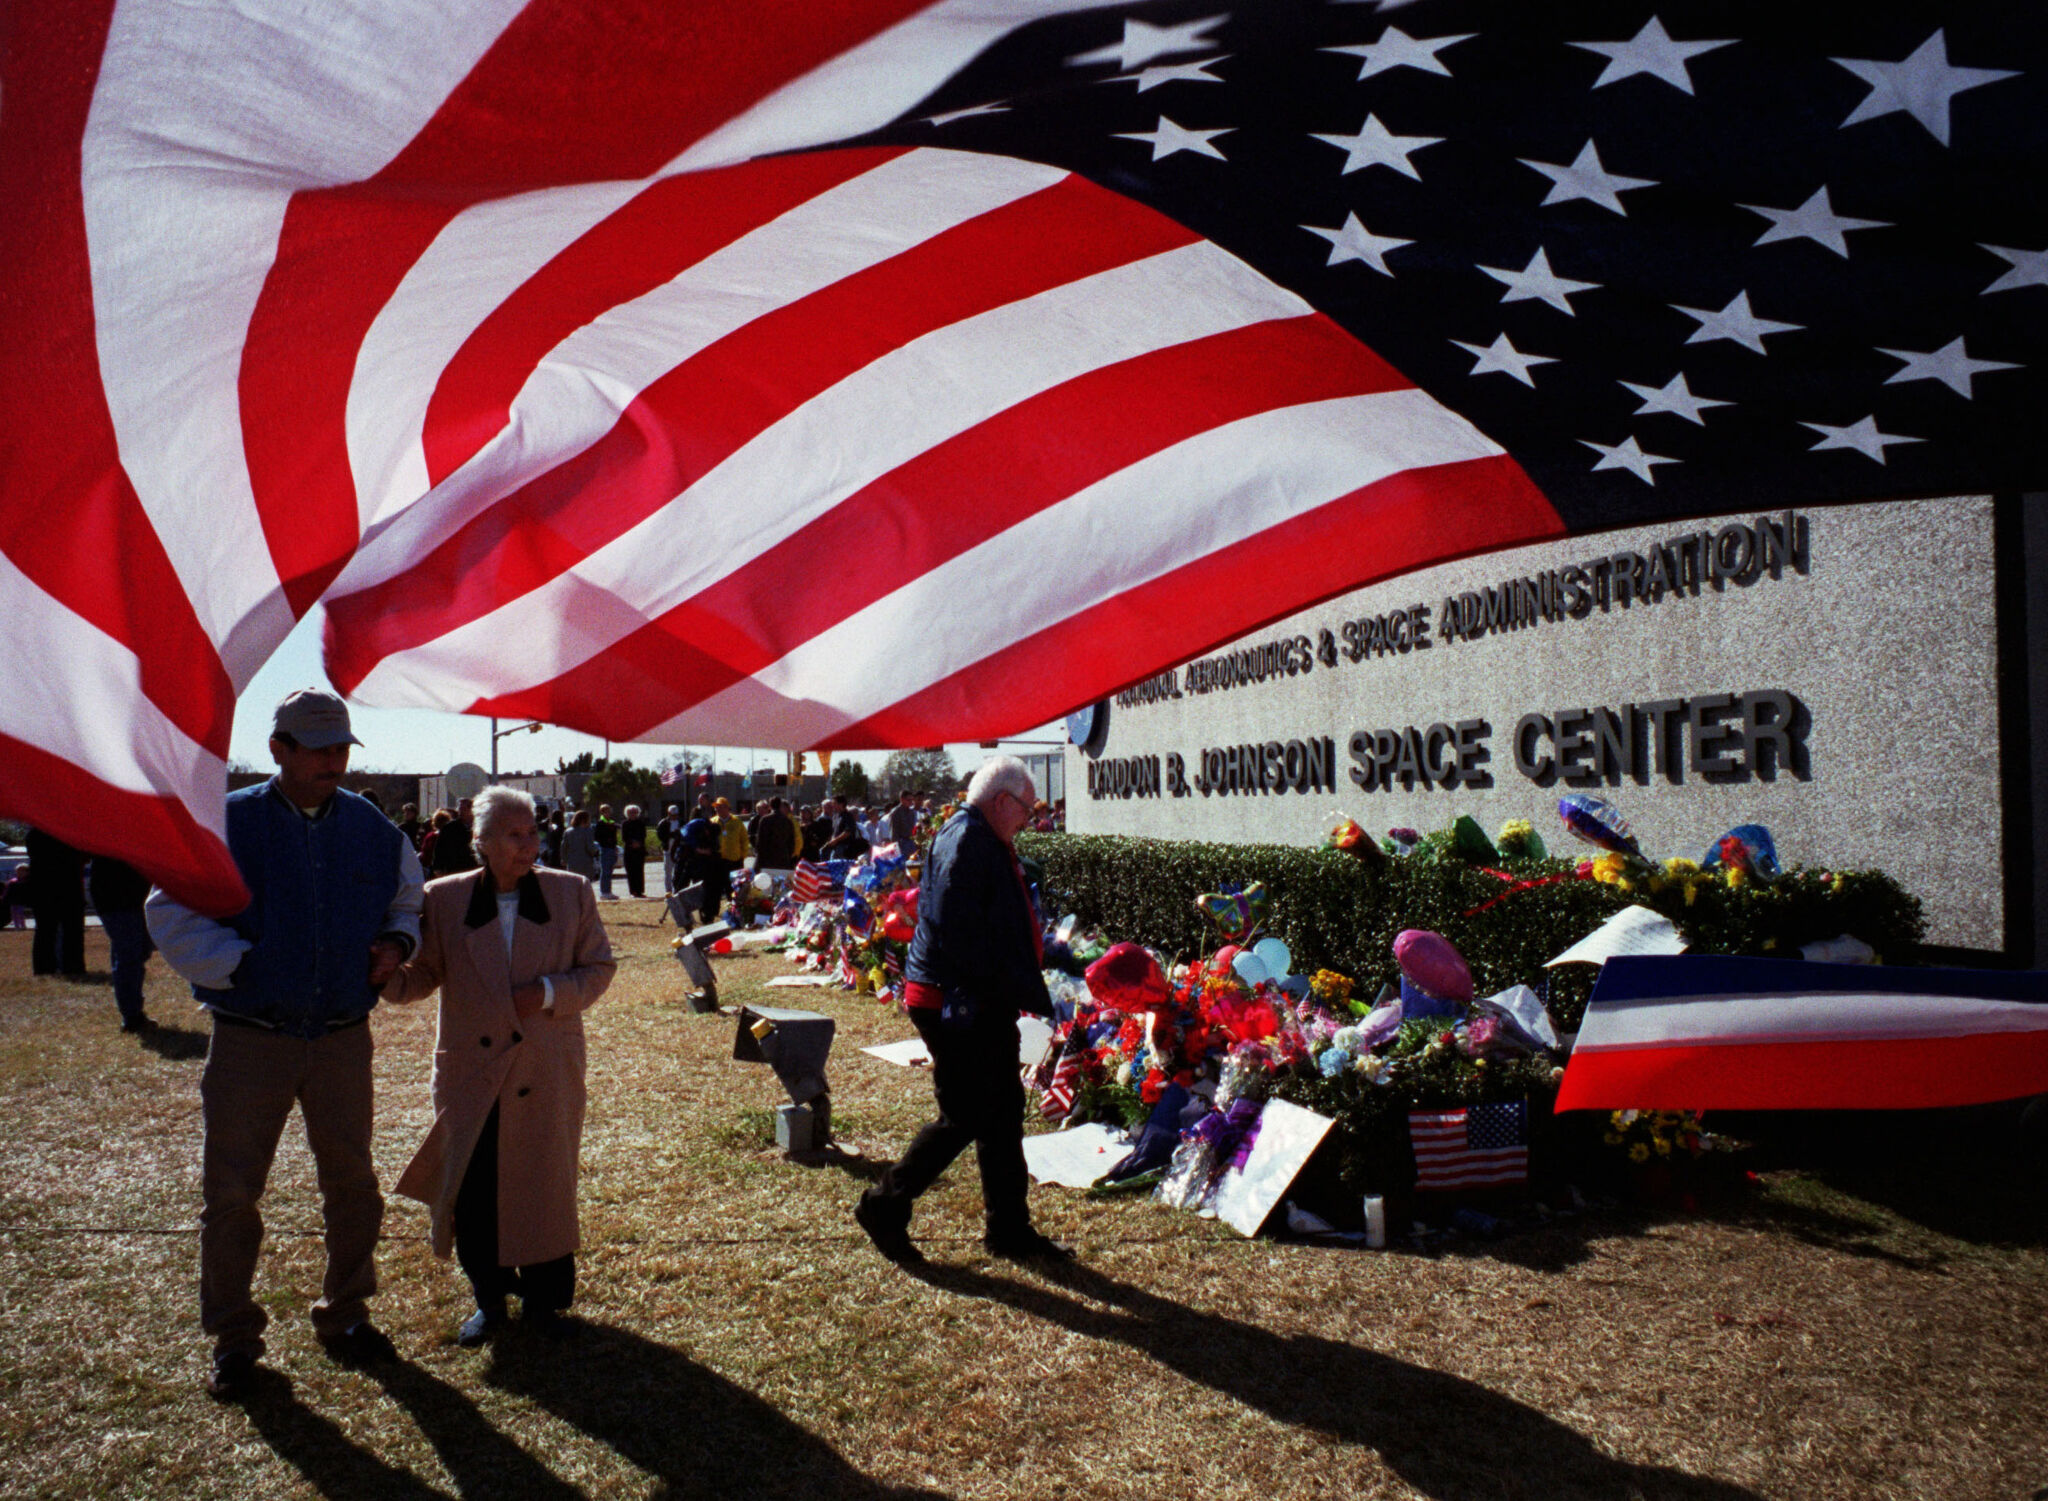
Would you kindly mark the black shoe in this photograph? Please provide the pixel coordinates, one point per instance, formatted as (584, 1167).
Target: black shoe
(887, 1227)
(137, 1024)
(1025, 1245)
(480, 1326)
(230, 1377)
(360, 1346)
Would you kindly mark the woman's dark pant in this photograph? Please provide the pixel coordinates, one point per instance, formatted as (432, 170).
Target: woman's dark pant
(59, 943)
(981, 1101)
(546, 1285)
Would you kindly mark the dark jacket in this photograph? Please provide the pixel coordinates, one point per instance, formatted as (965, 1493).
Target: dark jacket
(56, 872)
(454, 848)
(320, 890)
(775, 847)
(976, 933)
(116, 886)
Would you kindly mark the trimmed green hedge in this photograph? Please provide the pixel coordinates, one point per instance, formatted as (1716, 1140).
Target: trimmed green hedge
(1336, 912)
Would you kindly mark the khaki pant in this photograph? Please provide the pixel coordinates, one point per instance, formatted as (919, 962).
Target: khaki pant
(251, 1081)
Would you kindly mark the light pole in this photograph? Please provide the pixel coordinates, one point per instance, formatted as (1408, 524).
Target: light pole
(497, 734)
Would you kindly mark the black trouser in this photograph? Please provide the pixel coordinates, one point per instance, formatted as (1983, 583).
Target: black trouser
(980, 1089)
(549, 1285)
(59, 943)
(636, 872)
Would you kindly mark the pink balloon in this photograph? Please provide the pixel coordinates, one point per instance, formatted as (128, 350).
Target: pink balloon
(1430, 963)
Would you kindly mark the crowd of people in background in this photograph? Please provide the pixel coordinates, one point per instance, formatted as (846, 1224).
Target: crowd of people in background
(698, 848)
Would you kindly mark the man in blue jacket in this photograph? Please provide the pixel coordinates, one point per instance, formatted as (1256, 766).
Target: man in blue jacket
(334, 909)
(974, 965)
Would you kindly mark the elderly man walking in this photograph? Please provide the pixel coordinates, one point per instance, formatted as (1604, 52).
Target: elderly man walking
(973, 966)
(334, 909)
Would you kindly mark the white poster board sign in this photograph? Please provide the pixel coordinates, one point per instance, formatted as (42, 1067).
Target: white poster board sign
(1288, 1137)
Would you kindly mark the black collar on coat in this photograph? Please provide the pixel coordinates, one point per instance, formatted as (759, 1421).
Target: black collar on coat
(483, 900)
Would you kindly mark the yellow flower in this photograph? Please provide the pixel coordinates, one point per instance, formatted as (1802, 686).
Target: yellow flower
(1612, 1138)
(1678, 865)
(1331, 986)
(1736, 877)
(1692, 891)
(1663, 1147)
(1609, 867)
(1639, 1153)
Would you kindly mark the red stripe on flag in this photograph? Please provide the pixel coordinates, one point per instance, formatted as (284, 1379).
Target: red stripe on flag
(1378, 531)
(711, 405)
(1882, 1074)
(950, 499)
(568, 93)
(157, 835)
(673, 225)
(72, 521)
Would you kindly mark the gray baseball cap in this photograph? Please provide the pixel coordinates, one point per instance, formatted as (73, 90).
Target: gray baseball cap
(314, 718)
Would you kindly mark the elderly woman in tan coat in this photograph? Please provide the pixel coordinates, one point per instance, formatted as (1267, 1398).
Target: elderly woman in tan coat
(518, 955)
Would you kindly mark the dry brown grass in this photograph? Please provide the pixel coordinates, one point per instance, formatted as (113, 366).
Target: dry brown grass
(742, 1339)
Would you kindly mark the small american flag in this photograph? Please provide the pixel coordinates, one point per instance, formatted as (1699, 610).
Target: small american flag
(808, 883)
(1474, 1147)
(672, 775)
(1066, 1079)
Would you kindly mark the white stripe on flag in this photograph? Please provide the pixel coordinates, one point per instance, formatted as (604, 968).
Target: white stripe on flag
(924, 392)
(94, 713)
(1180, 504)
(867, 86)
(181, 238)
(1812, 1016)
(580, 388)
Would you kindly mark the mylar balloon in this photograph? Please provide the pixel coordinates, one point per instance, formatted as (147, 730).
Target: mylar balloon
(859, 918)
(1597, 823)
(763, 882)
(1273, 954)
(1432, 965)
(1128, 978)
(1235, 911)
(1250, 968)
(1749, 848)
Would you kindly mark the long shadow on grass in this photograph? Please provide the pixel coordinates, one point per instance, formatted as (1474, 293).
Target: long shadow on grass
(668, 1415)
(1450, 1438)
(177, 1044)
(483, 1461)
(333, 1463)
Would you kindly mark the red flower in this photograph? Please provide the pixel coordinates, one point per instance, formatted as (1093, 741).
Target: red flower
(1153, 1087)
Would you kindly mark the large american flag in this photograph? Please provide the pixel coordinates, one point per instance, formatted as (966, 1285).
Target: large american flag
(868, 372)
(1475, 1146)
